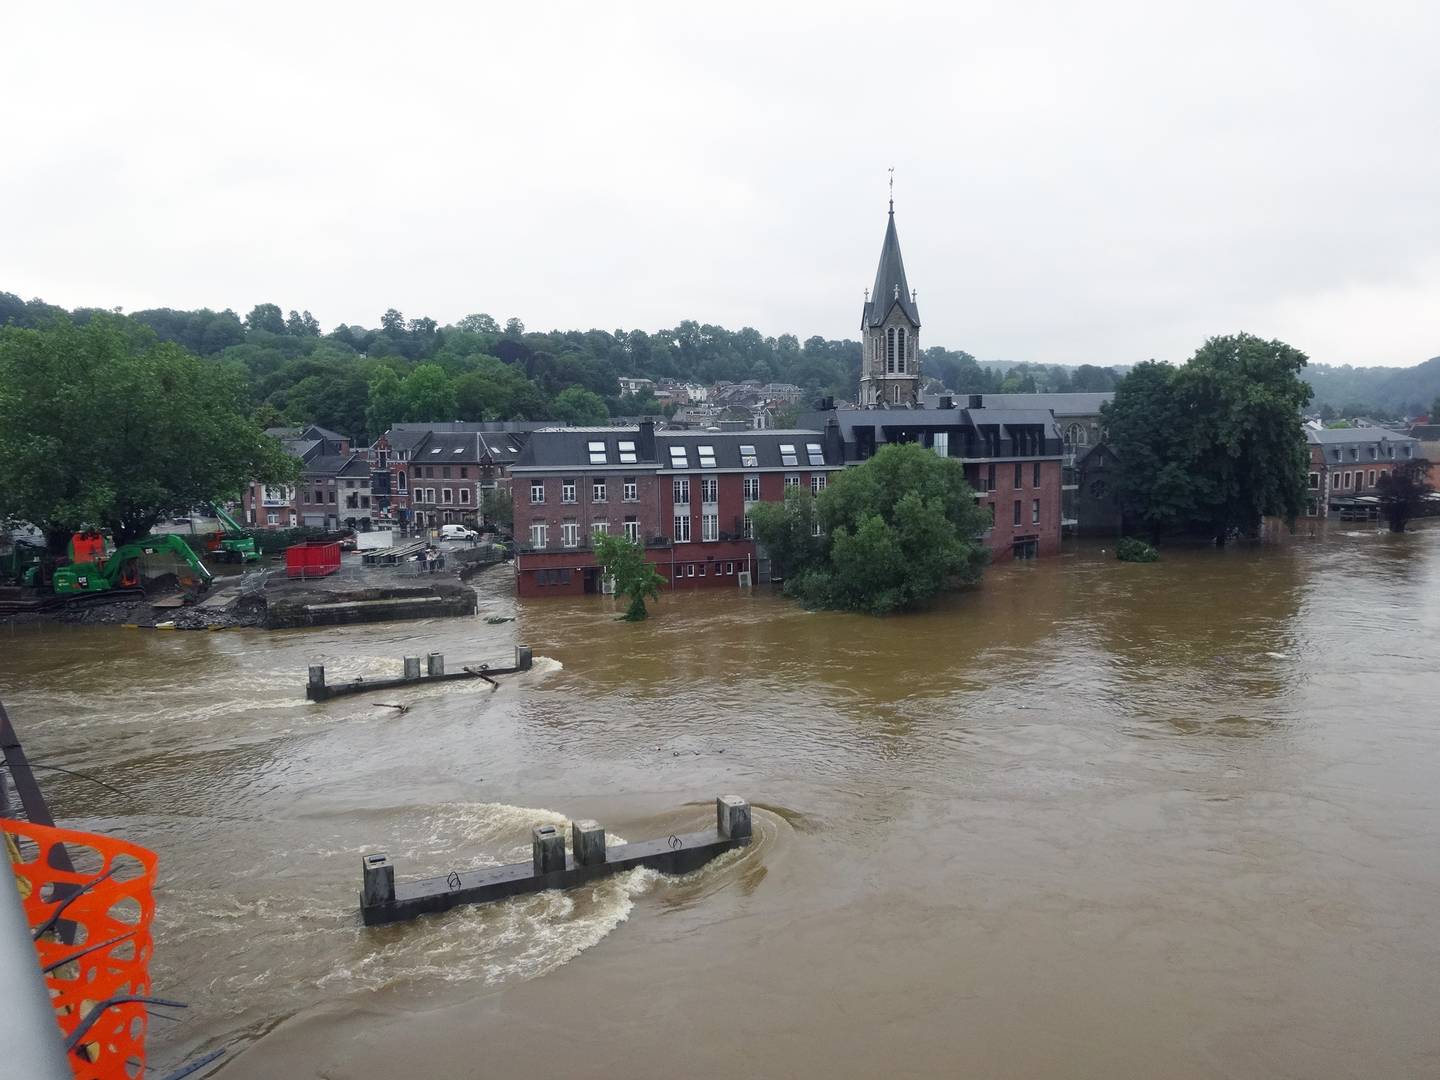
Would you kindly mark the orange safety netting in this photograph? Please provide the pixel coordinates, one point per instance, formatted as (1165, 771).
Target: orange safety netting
(109, 956)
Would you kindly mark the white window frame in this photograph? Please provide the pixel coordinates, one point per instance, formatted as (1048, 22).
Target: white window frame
(632, 491)
(682, 528)
(792, 480)
(539, 534)
(570, 534)
(709, 528)
(537, 492)
(597, 491)
(680, 490)
(1034, 511)
(568, 489)
(709, 489)
(600, 528)
(632, 530)
(817, 483)
(464, 496)
(752, 488)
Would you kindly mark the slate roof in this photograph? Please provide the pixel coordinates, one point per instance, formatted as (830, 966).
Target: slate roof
(1062, 404)
(325, 465)
(569, 448)
(1355, 436)
(889, 274)
(849, 419)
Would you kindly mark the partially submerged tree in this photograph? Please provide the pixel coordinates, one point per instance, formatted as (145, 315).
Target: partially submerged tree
(624, 560)
(101, 425)
(1403, 492)
(497, 508)
(892, 533)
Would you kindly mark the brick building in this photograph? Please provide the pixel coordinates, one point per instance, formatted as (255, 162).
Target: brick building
(684, 495)
(1346, 465)
(1012, 458)
(432, 474)
(322, 453)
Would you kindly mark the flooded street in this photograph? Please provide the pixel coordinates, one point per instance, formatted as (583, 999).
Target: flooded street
(1091, 820)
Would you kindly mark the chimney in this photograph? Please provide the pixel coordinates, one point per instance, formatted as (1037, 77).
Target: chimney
(647, 440)
(977, 401)
(946, 401)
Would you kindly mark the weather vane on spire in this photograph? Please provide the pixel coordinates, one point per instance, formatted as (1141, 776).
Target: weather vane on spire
(892, 189)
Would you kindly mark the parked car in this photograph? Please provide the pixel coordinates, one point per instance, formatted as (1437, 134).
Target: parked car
(457, 532)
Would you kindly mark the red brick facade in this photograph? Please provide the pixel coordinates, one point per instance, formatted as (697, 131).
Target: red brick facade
(1037, 505)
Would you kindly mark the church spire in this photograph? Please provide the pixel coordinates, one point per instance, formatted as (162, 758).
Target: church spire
(890, 285)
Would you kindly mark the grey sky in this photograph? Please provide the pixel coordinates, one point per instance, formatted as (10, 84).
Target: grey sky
(1074, 182)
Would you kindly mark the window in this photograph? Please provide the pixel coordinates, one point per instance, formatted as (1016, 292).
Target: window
(1037, 475)
(400, 483)
(990, 477)
(1354, 453)
(1035, 512)
(538, 533)
(748, 458)
(307, 496)
(678, 460)
(752, 488)
(792, 480)
(941, 445)
(537, 493)
(700, 569)
(1347, 481)
(710, 527)
(747, 528)
(817, 483)
(991, 508)
(597, 452)
(541, 576)
(627, 452)
(1019, 475)
(567, 491)
(445, 473)
(447, 495)
(690, 569)
(632, 490)
(1076, 435)
(597, 491)
(272, 518)
(632, 529)
(599, 528)
(1314, 481)
(788, 456)
(464, 472)
(815, 453)
(1372, 479)
(464, 497)
(1017, 512)
(890, 350)
(1372, 453)
(570, 533)
(682, 528)
(682, 490)
(815, 529)
(709, 489)
(900, 350)
(707, 456)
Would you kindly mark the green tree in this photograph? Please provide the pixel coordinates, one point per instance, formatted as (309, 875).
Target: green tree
(386, 402)
(1151, 438)
(1403, 492)
(497, 508)
(624, 560)
(428, 394)
(894, 532)
(579, 407)
(479, 324)
(102, 425)
(266, 318)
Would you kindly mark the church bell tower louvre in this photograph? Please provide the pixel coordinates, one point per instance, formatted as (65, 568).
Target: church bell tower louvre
(890, 330)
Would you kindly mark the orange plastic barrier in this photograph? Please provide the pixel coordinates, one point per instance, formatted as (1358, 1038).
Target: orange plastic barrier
(112, 945)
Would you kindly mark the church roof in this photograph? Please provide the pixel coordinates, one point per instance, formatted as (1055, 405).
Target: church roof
(888, 275)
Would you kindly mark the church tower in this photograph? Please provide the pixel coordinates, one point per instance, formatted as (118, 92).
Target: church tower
(890, 331)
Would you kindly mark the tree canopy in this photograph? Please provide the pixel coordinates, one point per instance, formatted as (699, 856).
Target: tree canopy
(103, 425)
(624, 560)
(892, 533)
(1213, 445)
(1403, 491)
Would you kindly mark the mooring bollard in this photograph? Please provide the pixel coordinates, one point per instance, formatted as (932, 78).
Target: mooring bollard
(412, 667)
(587, 841)
(379, 881)
(317, 676)
(732, 817)
(435, 664)
(547, 849)
(522, 658)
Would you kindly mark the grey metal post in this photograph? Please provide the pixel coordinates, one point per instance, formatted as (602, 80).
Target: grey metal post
(547, 849)
(732, 817)
(317, 676)
(587, 841)
(28, 1030)
(522, 658)
(379, 880)
(412, 667)
(435, 664)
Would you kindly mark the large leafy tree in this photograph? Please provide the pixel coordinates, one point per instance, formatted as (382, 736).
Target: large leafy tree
(102, 425)
(1403, 492)
(386, 402)
(1216, 444)
(428, 394)
(580, 407)
(624, 560)
(894, 532)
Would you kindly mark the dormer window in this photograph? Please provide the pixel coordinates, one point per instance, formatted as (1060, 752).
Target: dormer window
(707, 456)
(679, 458)
(627, 453)
(788, 456)
(748, 458)
(814, 452)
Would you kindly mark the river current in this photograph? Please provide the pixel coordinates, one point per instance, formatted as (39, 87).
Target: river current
(1089, 820)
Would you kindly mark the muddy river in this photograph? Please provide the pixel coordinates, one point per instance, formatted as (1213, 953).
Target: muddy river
(1091, 820)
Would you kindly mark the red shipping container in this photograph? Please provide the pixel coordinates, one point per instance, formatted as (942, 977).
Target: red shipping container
(312, 559)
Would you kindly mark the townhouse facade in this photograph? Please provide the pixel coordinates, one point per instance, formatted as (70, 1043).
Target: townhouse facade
(323, 454)
(1346, 465)
(685, 496)
(426, 475)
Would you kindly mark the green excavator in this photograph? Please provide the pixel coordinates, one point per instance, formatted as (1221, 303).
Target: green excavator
(235, 544)
(118, 569)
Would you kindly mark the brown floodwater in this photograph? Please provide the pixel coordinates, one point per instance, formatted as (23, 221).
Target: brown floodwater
(1089, 820)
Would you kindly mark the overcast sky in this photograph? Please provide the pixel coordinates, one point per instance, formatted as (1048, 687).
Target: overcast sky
(1074, 183)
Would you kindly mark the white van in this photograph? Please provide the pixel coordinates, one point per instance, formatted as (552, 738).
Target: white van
(457, 532)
